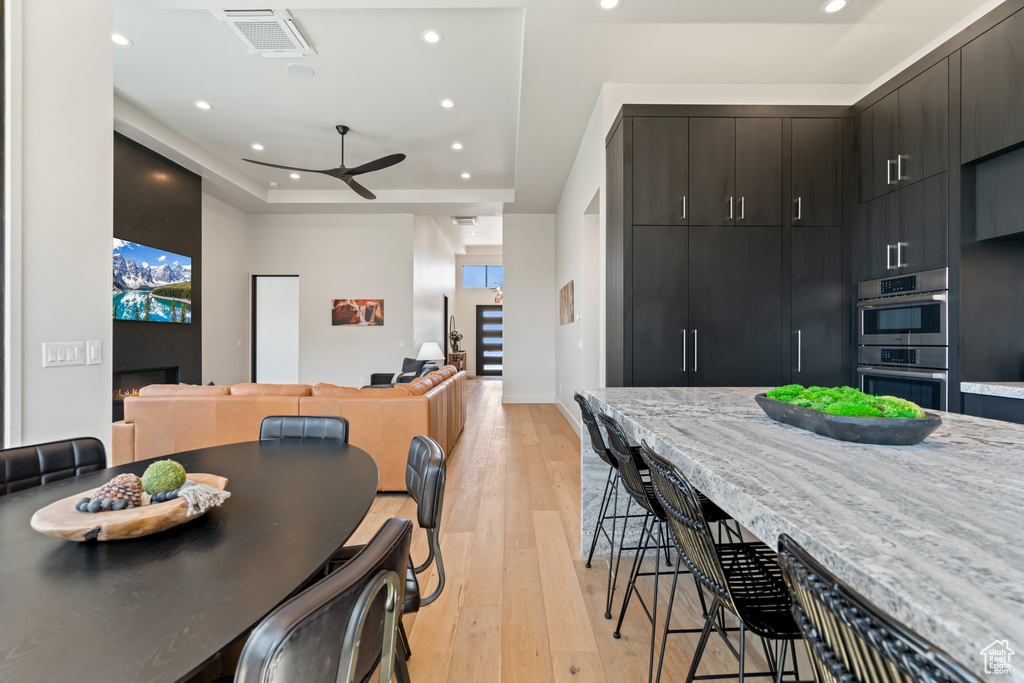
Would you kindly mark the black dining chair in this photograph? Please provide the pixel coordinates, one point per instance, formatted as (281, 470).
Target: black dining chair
(304, 427)
(342, 627)
(425, 478)
(609, 508)
(743, 578)
(23, 467)
(849, 639)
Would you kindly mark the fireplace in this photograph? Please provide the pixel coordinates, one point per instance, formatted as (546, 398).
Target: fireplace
(128, 383)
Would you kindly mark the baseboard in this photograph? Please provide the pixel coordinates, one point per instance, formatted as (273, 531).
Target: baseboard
(527, 399)
(571, 417)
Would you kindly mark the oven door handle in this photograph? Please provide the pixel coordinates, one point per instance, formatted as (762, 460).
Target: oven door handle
(913, 374)
(898, 302)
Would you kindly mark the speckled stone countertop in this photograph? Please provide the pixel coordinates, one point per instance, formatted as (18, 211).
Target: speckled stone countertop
(1004, 389)
(933, 533)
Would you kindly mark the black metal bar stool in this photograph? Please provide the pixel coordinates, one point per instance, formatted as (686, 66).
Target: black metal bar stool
(744, 578)
(849, 639)
(609, 500)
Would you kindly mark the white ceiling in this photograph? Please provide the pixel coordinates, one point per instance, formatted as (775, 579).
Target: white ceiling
(525, 76)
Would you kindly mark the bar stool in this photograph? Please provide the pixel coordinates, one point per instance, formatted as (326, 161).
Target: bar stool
(610, 498)
(642, 492)
(849, 639)
(744, 578)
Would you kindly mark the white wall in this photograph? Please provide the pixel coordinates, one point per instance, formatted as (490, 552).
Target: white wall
(530, 308)
(59, 215)
(433, 276)
(469, 299)
(342, 256)
(226, 293)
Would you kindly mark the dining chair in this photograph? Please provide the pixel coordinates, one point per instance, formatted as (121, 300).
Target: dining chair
(743, 578)
(848, 638)
(304, 427)
(341, 627)
(26, 466)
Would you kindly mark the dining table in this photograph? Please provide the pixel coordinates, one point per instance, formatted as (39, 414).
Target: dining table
(161, 607)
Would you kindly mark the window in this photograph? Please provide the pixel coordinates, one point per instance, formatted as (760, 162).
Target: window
(481, 276)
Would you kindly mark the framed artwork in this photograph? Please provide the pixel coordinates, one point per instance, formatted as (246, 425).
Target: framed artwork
(566, 305)
(151, 285)
(365, 312)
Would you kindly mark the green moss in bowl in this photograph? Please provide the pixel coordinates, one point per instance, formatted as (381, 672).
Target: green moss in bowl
(846, 401)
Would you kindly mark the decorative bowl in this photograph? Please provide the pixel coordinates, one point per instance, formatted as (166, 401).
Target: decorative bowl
(886, 431)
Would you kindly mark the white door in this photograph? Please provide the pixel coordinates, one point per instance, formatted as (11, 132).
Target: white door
(276, 328)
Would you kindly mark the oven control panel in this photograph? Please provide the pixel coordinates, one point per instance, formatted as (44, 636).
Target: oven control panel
(906, 356)
(900, 356)
(899, 284)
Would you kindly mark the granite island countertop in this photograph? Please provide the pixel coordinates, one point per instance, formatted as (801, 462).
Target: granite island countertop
(933, 533)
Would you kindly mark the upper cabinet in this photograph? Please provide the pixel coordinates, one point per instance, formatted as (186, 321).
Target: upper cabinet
(735, 171)
(903, 138)
(660, 170)
(993, 90)
(816, 168)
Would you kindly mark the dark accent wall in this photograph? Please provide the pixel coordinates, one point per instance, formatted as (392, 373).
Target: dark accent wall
(159, 204)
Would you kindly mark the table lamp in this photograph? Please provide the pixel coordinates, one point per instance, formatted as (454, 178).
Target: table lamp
(430, 351)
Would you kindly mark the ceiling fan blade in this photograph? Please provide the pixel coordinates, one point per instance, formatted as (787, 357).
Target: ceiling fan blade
(360, 190)
(328, 171)
(377, 164)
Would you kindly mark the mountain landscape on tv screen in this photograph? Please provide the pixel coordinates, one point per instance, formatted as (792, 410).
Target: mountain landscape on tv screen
(151, 285)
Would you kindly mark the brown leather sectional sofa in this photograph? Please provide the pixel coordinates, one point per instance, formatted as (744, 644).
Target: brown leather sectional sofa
(170, 418)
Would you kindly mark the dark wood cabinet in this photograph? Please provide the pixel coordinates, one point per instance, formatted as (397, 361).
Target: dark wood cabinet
(712, 171)
(817, 307)
(660, 170)
(874, 234)
(816, 172)
(758, 171)
(992, 102)
(903, 138)
(660, 312)
(735, 306)
(999, 197)
(994, 407)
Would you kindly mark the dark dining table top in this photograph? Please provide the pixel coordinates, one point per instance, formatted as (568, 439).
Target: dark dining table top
(158, 608)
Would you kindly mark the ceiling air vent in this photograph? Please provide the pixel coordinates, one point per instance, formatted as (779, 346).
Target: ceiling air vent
(266, 32)
(465, 221)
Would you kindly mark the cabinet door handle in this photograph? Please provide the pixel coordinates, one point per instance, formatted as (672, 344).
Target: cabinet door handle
(799, 209)
(899, 254)
(889, 180)
(799, 350)
(684, 350)
(730, 208)
(743, 207)
(695, 350)
(682, 215)
(899, 167)
(888, 257)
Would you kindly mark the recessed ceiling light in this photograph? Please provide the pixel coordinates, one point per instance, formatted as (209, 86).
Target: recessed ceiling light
(121, 40)
(273, 183)
(472, 233)
(466, 176)
(833, 6)
(608, 4)
(456, 145)
(257, 146)
(295, 176)
(447, 104)
(203, 105)
(431, 36)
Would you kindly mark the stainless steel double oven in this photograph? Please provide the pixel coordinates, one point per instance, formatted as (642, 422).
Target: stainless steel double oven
(903, 339)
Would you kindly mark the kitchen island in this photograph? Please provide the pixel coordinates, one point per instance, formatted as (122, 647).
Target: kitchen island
(933, 534)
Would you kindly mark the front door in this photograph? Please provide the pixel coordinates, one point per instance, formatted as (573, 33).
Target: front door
(488, 341)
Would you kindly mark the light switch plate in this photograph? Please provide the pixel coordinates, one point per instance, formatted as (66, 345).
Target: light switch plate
(93, 352)
(61, 354)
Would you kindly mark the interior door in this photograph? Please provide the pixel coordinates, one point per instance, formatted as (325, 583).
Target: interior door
(735, 282)
(275, 325)
(660, 170)
(712, 171)
(660, 306)
(758, 171)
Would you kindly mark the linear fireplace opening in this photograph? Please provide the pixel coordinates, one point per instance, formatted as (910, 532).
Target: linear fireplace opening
(128, 382)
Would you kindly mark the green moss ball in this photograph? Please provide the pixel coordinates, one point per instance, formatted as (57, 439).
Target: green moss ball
(163, 475)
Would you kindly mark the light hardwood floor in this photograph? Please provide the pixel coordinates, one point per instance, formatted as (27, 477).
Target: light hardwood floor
(519, 603)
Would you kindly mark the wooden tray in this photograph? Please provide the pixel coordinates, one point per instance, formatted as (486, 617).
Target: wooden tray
(62, 520)
(885, 431)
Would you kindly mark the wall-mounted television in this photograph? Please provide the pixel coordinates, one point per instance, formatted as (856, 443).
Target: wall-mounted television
(151, 285)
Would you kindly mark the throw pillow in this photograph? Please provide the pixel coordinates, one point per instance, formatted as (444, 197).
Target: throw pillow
(412, 365)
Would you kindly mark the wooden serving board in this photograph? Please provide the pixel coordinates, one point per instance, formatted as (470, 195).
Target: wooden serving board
(62, 520)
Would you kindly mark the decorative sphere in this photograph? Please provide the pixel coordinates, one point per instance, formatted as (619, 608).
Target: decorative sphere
(163, 475)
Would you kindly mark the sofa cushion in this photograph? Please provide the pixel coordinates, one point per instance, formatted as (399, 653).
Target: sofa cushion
(397, 391)
(417, 387)
(412, 365)
(324, 389)
(183, 390)
(251, 389)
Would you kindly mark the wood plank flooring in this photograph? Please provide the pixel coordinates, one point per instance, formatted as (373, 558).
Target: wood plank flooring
(519, 604)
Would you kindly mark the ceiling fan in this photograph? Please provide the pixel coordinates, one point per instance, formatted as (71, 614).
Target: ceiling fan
(342, 173)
